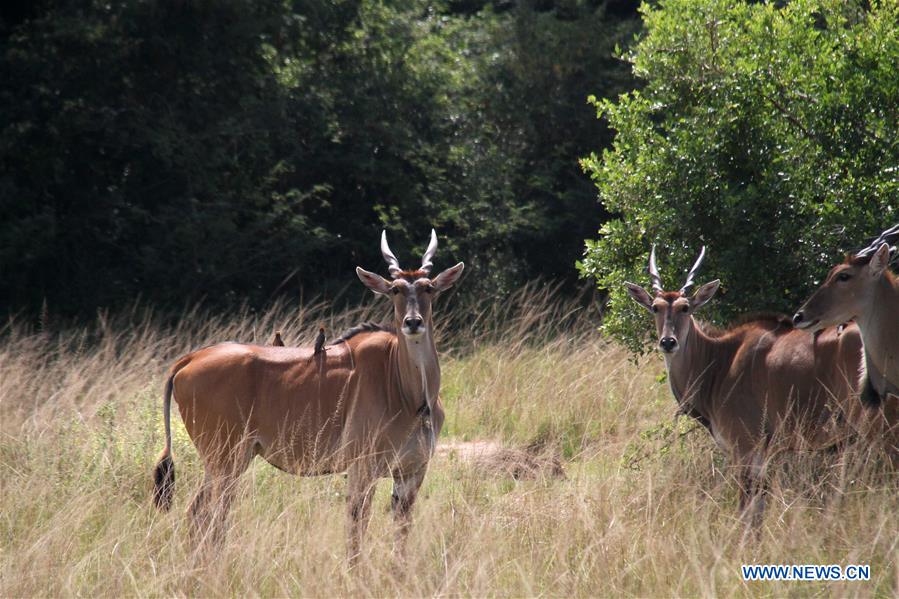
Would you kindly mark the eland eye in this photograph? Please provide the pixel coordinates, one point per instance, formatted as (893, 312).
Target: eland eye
(685, 309)
(394, 290)
(844, 276)
(655, 309)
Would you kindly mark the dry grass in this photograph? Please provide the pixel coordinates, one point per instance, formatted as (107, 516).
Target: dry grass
(645, 508)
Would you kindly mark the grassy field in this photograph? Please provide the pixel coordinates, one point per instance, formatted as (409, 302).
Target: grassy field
(647, 506)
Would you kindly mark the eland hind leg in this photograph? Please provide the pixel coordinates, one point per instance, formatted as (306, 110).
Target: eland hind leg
(208, 511)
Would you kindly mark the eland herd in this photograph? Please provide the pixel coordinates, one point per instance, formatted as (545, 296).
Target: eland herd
(367, 403)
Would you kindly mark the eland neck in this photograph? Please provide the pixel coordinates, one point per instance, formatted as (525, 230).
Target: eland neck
(417, 368)
(691, 369)
(879, 328)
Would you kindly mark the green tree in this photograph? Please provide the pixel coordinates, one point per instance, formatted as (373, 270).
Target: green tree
(232, 150)
(143, 151)
(767, 132)
(543, 60)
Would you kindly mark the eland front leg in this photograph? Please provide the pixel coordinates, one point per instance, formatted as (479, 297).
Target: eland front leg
(405, 490)
(753, 480)
(361, 483)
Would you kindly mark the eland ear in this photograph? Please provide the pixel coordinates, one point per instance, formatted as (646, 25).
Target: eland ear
(704, 294)
(879, 260)
(373, 281)
(448, 277)
(639, 295)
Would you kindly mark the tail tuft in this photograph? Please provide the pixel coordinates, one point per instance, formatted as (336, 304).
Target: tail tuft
(164, 482)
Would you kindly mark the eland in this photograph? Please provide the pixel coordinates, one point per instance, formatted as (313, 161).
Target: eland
(757, 386)
(369, 406)
(863, 289)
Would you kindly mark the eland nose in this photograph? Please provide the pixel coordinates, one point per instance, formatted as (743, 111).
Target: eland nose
(797, 318)
(668, 343)
(413, 323)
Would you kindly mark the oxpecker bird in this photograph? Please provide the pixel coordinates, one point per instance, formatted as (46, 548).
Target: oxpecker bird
(320, 341)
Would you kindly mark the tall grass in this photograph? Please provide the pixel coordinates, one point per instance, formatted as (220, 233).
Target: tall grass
(648, 508)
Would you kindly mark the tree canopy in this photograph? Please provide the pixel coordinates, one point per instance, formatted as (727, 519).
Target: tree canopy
(234, 151)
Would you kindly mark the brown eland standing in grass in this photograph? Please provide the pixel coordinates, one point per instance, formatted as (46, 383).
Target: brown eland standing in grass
(368, 406)
(757, 386)
(865, 290)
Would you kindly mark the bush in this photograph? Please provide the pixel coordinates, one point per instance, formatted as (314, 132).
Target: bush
(768, 133)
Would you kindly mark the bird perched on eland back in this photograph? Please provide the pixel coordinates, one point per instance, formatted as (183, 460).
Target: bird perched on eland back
(320, 341)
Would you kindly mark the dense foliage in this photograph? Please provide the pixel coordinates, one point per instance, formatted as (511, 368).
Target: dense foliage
(767, 132)
(238, 150)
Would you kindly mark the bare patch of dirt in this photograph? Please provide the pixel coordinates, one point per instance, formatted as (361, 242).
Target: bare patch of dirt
(498, 461)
